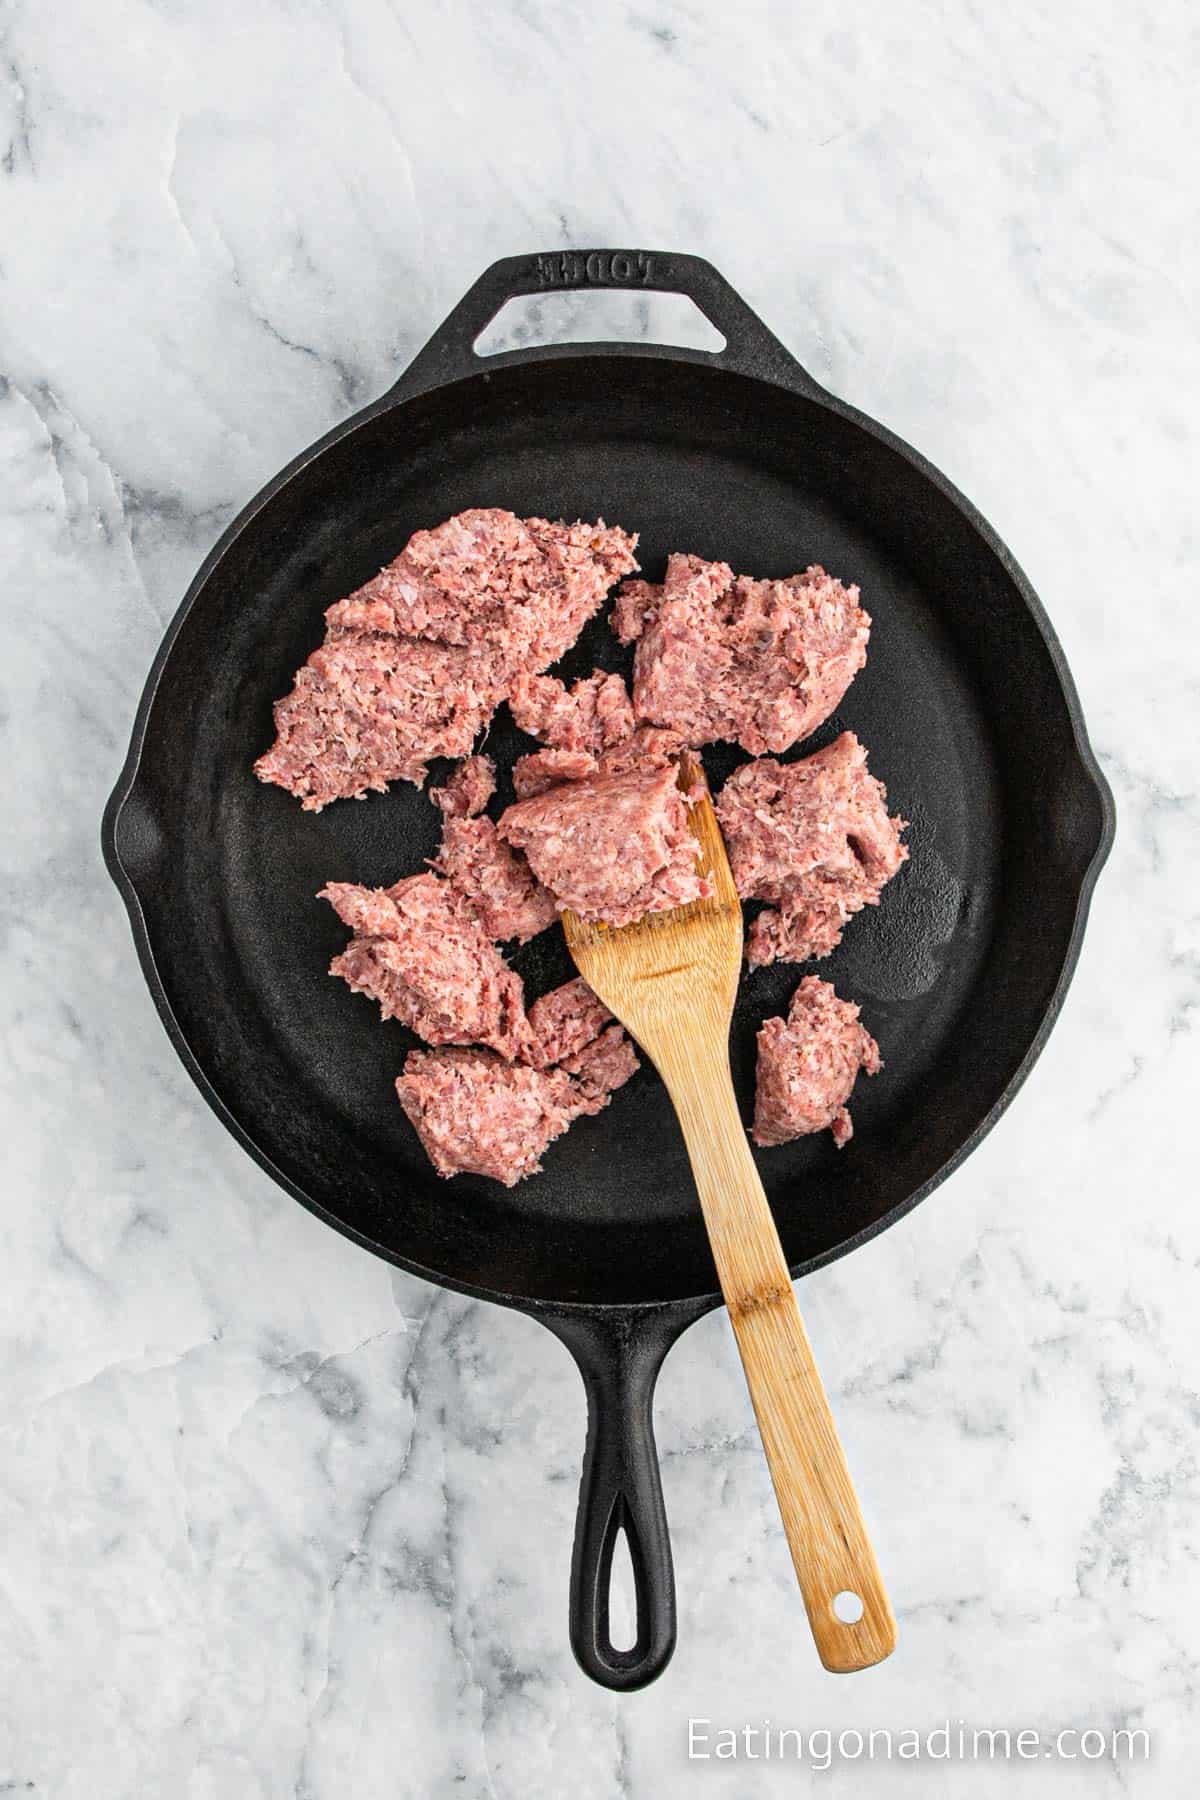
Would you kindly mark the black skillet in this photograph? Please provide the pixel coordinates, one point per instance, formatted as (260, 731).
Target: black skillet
(967, 708)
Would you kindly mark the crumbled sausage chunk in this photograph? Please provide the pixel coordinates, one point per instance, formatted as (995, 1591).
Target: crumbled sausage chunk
(808, 1064)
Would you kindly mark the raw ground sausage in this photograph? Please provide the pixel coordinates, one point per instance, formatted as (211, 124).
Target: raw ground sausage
(611, 847)
(815, 838)
(415, 662)
(808, 1064)
(723, 656)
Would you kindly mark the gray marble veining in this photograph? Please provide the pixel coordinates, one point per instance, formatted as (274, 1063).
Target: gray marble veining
(274, 1520)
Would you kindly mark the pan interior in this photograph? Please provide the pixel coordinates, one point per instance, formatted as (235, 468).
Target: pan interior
(960, 707)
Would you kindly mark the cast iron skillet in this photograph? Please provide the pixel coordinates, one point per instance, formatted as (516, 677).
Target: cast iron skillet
(967, 708)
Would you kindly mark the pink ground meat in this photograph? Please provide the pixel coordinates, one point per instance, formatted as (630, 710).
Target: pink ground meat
(475, 1113)
(542, 770)
(565, 1021)
(586, 730)
(592, 715)
(522, 588)
(422, 953)
(415, 663)
(648, 747)
(808, 1064)
(719, 656)
(366, 710)
(497, 881)
(611, 848)
(603, 1065)
(634, 607)
(814, 837)
(413, 666)
(467, 790)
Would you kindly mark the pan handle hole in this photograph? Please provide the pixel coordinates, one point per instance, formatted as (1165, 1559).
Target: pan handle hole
(622, 1596)
(847, 1607)
(600, 315)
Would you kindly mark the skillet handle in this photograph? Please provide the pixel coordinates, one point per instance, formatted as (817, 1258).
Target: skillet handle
(619, 1353)
(750, 348)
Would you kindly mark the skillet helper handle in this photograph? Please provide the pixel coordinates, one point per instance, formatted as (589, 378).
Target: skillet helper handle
(826, 1534)
(749, 346)
(620, 1490)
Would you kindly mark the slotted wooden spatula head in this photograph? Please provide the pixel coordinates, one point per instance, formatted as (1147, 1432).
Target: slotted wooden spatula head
(671, 979)
(671, 973)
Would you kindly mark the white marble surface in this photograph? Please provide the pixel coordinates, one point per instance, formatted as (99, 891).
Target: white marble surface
(274, 1520)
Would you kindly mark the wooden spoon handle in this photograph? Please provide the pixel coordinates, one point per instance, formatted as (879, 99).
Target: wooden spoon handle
(825, 1530)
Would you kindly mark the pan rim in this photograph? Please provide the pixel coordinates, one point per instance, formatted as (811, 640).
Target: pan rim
(394, 400)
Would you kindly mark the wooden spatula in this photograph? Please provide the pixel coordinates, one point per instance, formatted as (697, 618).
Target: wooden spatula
(671, 980)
